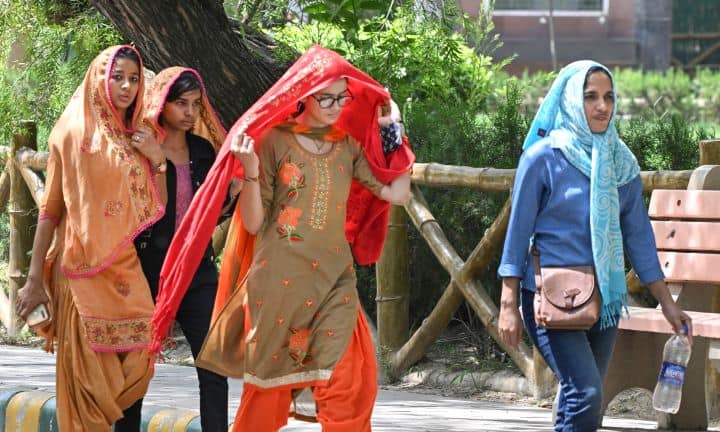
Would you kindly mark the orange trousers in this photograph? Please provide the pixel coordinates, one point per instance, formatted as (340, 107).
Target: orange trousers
(93, 388)
(344, 405)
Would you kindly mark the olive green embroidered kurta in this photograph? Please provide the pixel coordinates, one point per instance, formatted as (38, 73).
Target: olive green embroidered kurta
(302, 294)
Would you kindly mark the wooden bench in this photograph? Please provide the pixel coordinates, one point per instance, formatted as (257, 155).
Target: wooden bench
(687, 230)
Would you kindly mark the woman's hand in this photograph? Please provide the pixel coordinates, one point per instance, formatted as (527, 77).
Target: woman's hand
(29, 296)
(398, 192)
(676, 318)
(242, 147)
(392, 116)
(144, 141)
(673, 314)
(510, 325)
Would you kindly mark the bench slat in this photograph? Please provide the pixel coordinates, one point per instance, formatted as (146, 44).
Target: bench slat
(686, 236)
(690, 266)
(652, 320)
(685, 204)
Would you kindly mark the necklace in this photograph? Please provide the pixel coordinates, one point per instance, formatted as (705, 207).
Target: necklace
(319, 145)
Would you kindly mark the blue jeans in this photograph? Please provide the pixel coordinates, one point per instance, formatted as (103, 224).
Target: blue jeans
(580, 361)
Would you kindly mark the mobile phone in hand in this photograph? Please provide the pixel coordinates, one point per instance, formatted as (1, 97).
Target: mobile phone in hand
(39, 316)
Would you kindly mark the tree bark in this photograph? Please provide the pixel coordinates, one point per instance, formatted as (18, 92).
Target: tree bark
(237, 66)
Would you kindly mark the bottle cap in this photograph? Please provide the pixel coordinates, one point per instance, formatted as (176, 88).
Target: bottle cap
(685, 328)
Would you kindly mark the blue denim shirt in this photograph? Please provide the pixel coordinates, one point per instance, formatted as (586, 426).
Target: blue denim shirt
(551, 200)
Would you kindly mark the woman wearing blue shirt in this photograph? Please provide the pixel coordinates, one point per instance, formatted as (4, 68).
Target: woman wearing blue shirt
(578, 200)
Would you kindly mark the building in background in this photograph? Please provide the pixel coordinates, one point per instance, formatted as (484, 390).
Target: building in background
(652, 34)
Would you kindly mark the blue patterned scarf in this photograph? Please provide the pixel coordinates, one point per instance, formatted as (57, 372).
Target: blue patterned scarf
(606, 161)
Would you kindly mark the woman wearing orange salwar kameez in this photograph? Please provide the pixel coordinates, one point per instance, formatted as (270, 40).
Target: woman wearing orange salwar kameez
(100, 193)
(316, 187)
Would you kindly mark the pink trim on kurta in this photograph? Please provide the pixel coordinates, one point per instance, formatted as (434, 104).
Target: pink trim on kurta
(54, 219)
(103, 348)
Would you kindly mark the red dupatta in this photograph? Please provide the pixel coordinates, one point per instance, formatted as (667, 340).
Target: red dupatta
(367, 216)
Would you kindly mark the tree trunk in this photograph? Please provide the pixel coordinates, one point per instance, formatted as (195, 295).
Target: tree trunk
(237, 66)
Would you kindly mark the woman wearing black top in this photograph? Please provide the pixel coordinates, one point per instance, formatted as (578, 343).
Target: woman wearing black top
(178, 109)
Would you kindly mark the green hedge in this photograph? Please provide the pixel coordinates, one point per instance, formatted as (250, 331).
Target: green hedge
(695, 97)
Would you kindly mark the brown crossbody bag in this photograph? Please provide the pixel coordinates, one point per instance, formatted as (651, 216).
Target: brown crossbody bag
(566, 298)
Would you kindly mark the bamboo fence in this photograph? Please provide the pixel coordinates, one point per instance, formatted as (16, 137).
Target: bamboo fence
(22, 188)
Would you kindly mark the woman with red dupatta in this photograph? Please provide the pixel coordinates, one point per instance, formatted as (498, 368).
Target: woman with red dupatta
(100, 192)
(317, 183)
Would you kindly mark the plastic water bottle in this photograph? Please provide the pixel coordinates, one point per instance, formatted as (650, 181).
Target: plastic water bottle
(668, 390)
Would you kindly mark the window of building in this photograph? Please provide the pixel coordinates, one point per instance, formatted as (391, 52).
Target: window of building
(560, 7)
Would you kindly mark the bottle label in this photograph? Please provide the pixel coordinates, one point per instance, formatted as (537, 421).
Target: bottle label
(672, 374)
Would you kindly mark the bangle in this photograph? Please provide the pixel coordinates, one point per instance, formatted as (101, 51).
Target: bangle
(251, 179)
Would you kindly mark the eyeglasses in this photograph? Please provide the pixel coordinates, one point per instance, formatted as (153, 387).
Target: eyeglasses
(326, 102)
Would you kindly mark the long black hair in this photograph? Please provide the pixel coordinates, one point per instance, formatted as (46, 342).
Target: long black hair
(130, 54)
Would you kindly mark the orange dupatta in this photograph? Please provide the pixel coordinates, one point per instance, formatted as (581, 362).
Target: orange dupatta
(105, 193)
(207, 125)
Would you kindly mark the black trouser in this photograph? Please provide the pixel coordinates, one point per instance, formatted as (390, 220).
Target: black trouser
(194, 318)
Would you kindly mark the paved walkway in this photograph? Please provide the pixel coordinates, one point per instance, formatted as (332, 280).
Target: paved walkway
(396, 411)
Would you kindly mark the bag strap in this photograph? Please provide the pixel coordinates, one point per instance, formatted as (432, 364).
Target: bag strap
(536, 266)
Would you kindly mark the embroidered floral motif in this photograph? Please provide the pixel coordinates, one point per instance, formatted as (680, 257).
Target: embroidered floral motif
(309, 302)
(263, 262)
(298, 346)
(121, 149)
(122, 287)
(291, 174)
(331, 333)
(315, 265)
(346, 299)
(275, 357)
(258, 302)
(280, 320)
(287, 223)
(286, 282)
(113, 208)
(114, 335)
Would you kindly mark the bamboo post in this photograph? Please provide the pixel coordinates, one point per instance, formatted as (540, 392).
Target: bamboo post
(5, 185)
(710, 152)
(22, 221)
(393, 284)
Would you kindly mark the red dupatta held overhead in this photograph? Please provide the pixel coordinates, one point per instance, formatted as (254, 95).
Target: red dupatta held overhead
(367, 216)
